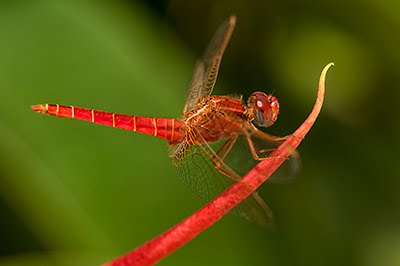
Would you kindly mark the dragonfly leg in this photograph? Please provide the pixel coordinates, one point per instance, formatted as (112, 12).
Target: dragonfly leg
(257, 154)
(265, 136)
(226, 148)
(218, 158)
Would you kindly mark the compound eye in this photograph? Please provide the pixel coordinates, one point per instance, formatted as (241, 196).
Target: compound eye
(266, 108)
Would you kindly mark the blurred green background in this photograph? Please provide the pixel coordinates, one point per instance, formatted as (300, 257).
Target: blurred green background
(73, 193)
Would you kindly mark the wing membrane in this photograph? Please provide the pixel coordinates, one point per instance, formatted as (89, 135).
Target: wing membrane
(206, 69)
(196, 170)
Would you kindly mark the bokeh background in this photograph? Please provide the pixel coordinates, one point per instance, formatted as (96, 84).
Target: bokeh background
(73, 193)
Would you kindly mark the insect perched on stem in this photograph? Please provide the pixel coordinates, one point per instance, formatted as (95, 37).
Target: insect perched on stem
(207, 119)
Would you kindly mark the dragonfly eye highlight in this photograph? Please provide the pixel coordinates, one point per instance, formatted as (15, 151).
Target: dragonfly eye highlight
(265, 108)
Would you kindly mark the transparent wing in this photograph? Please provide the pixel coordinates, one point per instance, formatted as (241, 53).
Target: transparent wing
(196, 170)
(206, 69)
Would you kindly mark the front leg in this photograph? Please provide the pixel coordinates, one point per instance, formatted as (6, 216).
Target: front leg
(265, 136)
(260, 155)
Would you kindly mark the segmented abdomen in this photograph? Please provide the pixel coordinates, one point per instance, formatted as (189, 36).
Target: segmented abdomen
(169, 129)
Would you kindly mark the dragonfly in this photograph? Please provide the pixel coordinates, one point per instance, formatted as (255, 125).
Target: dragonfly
(207, 120)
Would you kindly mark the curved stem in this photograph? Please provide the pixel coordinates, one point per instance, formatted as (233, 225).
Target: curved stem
(161, 246)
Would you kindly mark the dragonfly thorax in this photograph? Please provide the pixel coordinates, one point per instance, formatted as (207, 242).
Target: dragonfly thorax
(215, 118)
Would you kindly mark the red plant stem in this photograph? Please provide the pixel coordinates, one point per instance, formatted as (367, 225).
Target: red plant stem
(161, 246)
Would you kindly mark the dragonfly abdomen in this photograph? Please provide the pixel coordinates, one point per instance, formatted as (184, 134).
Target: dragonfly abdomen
(166, 128)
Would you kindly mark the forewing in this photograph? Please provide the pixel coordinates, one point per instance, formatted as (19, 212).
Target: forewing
(206, 69)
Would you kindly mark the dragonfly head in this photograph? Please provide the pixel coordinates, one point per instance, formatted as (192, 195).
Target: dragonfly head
(264, 108)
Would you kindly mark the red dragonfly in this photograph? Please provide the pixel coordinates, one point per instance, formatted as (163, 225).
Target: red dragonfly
(207, 119)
